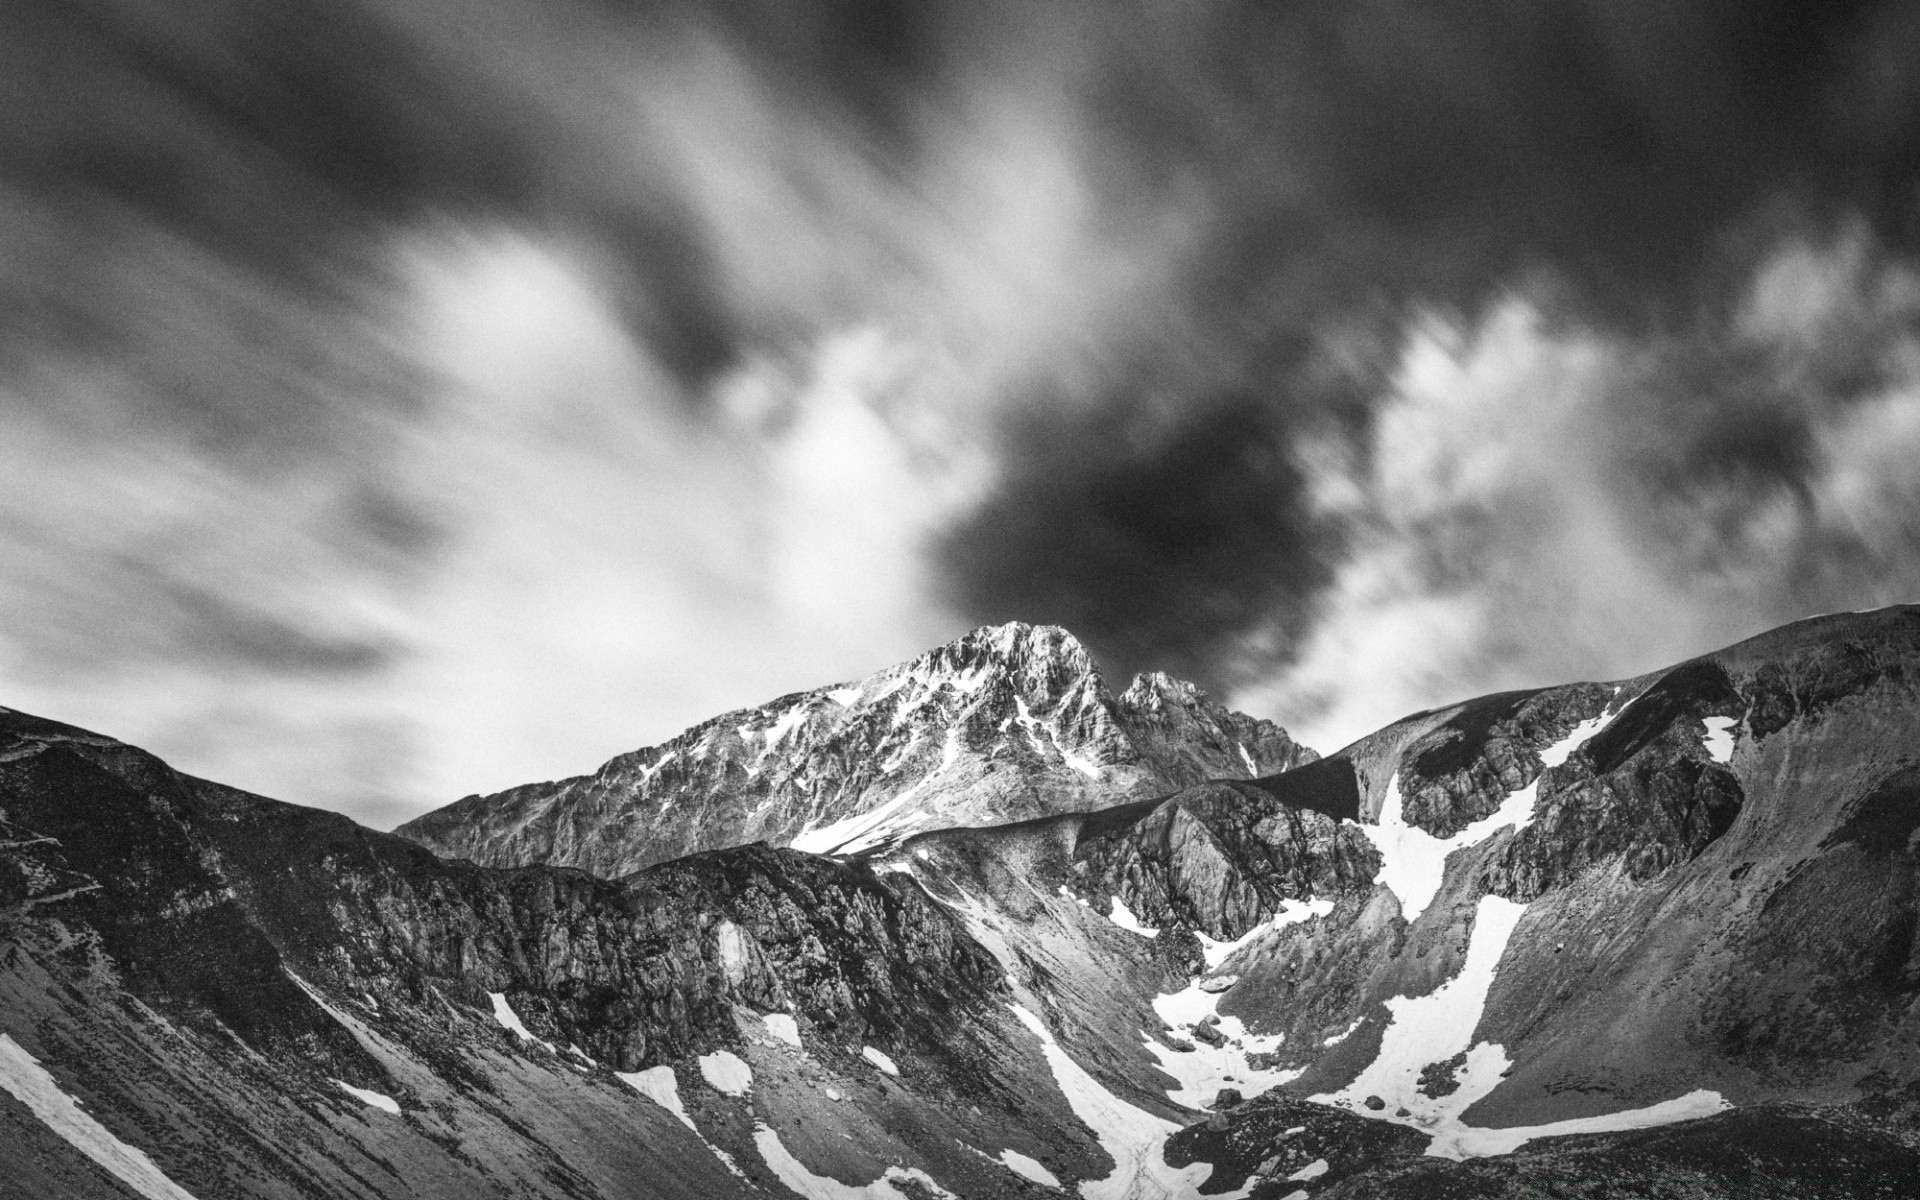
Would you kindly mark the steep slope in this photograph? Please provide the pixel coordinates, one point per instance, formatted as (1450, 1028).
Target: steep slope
(1567, 911)
(1649, 938)
(1006, 723)
(253, 999)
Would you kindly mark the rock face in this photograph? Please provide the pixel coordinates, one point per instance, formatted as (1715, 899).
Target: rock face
(1648, 937)
(1006, 723)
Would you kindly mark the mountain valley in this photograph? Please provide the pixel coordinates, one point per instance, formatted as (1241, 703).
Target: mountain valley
(977, 927)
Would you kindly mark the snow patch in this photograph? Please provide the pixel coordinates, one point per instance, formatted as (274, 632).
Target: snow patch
(30, 1083)
(784, 1027)
(1346, 1033)
(880, 1060)
(1253, 772)
(1080, 900)
(370, 1099)
(792, 1172)
(726, 1072)
(1217, 953)
(1027, 1168)
(845, 696)
(1436, 1027)
(1719, 740)
(1123, 916)
(658, 1085)
(510, 1020)
(863, 831)
(1414, 862)
(1071, 758)
(1201, 1072)
(1467, 1142)
(783, 725)
(1312, 1170)
(1133, 1138)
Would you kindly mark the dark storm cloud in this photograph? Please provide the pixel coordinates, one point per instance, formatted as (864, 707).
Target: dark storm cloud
(532, 339)
(1630, 164)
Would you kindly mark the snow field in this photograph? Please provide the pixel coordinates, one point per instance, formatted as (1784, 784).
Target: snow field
(1414, 862)
(32, 1085)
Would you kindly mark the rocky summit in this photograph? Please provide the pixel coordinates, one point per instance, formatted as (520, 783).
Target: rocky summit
(1006, 723)
(976, 927)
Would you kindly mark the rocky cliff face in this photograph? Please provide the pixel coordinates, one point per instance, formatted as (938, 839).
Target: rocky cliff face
(1006, 723)
(1656, 935)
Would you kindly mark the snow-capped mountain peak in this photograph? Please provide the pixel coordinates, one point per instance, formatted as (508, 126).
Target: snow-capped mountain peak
(1004, 723)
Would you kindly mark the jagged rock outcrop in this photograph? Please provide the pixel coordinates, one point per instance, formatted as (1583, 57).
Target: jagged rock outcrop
(1660, 931)
(1220, 858)
(1007, 723)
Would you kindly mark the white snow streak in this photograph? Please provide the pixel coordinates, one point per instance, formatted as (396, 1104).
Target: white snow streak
(880, 1060)
(1312, 1170)
(1027, 1168)
(1219, 952)
(1414, 862)
(1466, 1142)
(1434, 1028)
(726, 1072)
(1071, 758)
(510, 1020)
(863, 831)
(1719, 741)
(795, 1175)
(1346, 1033)
(1133, 1138)
(1253, 772)
(32, 1085)
(370, 1099)
(1123, 916)
(658, 1085)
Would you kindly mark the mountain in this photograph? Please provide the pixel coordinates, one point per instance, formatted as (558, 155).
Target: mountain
(1652, 937)
(1008, 722)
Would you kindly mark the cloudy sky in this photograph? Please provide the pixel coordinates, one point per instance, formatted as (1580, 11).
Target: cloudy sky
(407, 398)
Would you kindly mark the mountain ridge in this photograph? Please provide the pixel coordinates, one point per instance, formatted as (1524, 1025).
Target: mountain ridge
(1003, 723)
(1651, 937)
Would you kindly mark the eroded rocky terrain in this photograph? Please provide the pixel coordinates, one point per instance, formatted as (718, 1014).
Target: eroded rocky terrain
(1655, 937)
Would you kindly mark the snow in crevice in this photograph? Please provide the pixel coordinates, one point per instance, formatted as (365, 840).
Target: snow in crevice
(726, 1072)
(1414, 862)
(384, 1103)
(783, 725)
(1080, 900)
(864, 831)
(1201, 1072)
(32, 1085)
(510, 1020)
(1253, 772)
(880, 1060)
(845, 696)
(1123, 916)
(659, 1085)
(1035, 727)
(1436, 1027)
(1719, 740)
(1134, 1138)
(792, 1172)
(1312, 1170)
(1292, 912)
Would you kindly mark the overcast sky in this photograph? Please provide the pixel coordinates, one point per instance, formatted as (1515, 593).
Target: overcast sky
(410, 398)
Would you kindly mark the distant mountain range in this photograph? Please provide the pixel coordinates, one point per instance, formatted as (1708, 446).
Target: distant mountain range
(977, 927)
